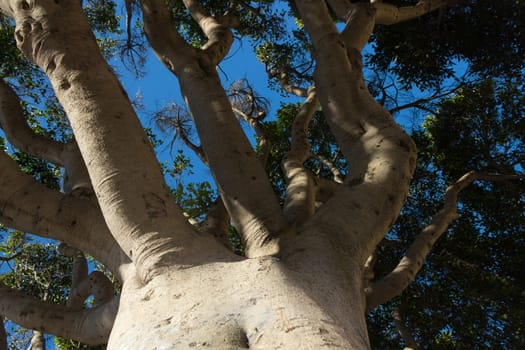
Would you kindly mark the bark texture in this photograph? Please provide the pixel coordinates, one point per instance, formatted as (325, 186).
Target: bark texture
(304, 282)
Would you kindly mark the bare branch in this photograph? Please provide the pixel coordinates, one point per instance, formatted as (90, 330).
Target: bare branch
(299, 202)
(391, 14)
(173, 116)
(419, 102)
(27, 205)
(380, 156)
(128, 181)
(338, 177)
(79, 273)
(256, 213)
(20, 135)
(168, 45)
(284, 80)
(404, 331)
(396, 281)
(96, 284)
(217, 30)
(90, 326)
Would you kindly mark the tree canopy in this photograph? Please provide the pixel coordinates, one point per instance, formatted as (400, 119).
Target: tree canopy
(451, 73)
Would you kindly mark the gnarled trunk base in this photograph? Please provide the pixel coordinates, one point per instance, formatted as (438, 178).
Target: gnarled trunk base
(249, 304)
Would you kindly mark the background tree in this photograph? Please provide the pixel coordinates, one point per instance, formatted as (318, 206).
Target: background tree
(302, 241)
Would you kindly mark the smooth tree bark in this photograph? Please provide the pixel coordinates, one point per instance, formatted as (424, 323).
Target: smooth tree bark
(303, 282)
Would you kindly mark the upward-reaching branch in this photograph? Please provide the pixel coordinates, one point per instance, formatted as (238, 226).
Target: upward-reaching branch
(396, 281)
(235, 165)
(216, 29)
(380, 155)
(299, 203)
(125, 174)
(19, 134)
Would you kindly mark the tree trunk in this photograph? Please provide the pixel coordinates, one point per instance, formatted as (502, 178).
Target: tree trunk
(249, 304)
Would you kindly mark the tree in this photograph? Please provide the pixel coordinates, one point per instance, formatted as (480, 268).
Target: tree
(305, 275)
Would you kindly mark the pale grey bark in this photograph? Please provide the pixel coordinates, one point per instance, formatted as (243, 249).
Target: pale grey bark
(90, 326)
(381, 156)
(29, 206)
(181, 289)
(20, 135)
(132, 195)
(299, 204)
(96, 284)
(235, 165)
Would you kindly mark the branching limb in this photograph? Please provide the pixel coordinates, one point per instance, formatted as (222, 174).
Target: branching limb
(29, 206)
(217, 30)
(404, 331)
(252, 108)
(396, 281)
(284, 80)
(380, 156)
(391, 14)
(20, 135)
(96, 284)
(126, 176)
(79, 273)
(325, 190)
(90, 326)
(299, 202)
(255, 213)
(419, 103)
(338, 177)
(262, 142)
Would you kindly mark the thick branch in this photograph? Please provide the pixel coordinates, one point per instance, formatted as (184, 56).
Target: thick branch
(96, 284)
(27, 205)
(89, 326)
(19, 134)
(299, 202)
(391, 14)
(405, 272)
(217, 30)
(125, 174)
(256, 212)
(380, 155)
